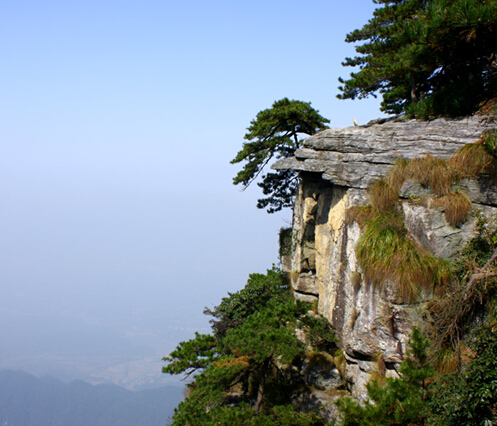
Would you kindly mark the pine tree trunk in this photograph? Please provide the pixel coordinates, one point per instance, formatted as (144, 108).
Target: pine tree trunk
(262, 384)
(414, 96)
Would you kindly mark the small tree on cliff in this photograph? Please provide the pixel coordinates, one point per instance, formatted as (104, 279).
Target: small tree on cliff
(401, 401)
(274, 134)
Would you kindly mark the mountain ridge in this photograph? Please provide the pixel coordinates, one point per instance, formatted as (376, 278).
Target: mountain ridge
(26, 400)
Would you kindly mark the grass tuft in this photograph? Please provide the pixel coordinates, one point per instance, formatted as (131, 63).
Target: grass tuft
(473, 160)
(456, 207)
(430, 171)
(397, 174)
(359, 214)
(490, 142)
(382, 196)
(468, 298)
(386, 253)
(449, 359)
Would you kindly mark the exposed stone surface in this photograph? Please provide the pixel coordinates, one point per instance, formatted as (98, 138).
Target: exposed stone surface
(481, 191)
(368, 321)
(337, 165)
(307, 284)
(428, 227)
(355, 156)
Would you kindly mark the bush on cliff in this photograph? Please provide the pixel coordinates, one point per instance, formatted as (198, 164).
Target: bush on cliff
(399, 401)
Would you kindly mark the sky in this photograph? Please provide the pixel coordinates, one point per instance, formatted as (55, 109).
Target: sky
(118, 121)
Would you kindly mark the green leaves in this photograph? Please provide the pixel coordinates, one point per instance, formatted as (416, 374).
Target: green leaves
(260, 290)
(269, 333)
(426, 58)
(248, 368)
(243, 415)
(274, 134)
(400, 401)
(191, 355)
(470, 397)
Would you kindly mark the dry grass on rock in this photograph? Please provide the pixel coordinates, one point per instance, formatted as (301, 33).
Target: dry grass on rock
(430, 171)
(382, 196)
(473, 160)
(456, 206)
(386, 253)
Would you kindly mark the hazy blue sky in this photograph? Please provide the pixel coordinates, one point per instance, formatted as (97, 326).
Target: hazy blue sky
(118, 119)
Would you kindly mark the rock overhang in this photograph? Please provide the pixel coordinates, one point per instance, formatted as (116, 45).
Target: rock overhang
(356, 156)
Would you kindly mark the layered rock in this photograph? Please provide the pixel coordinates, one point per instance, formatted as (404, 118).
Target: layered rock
(337, 166)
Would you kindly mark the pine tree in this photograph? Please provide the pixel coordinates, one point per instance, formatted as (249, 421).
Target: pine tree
(274, 134)
(440, 54)
(247, 367)
(469, 397)
(398, 401)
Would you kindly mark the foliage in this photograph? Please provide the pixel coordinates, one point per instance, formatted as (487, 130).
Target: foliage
(260, 290)
(469, 397)
(319, 333)
(243, 415)
(470, 295)
(274, 134)
(194, 354)
(266, 333)
(400, 401)
(250, 364)
(426, 57)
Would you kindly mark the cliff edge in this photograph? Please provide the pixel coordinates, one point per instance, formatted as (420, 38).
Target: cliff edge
(337, 166)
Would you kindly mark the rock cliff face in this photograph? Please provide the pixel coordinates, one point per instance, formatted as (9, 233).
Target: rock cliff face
(337, 166)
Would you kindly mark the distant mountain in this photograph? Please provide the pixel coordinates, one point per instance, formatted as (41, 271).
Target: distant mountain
(26, 400)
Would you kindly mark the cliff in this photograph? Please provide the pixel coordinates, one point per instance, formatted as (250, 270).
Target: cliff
(337, 166)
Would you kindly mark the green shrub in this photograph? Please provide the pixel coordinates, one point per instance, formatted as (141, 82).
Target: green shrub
(394, 401)
(469, 397)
